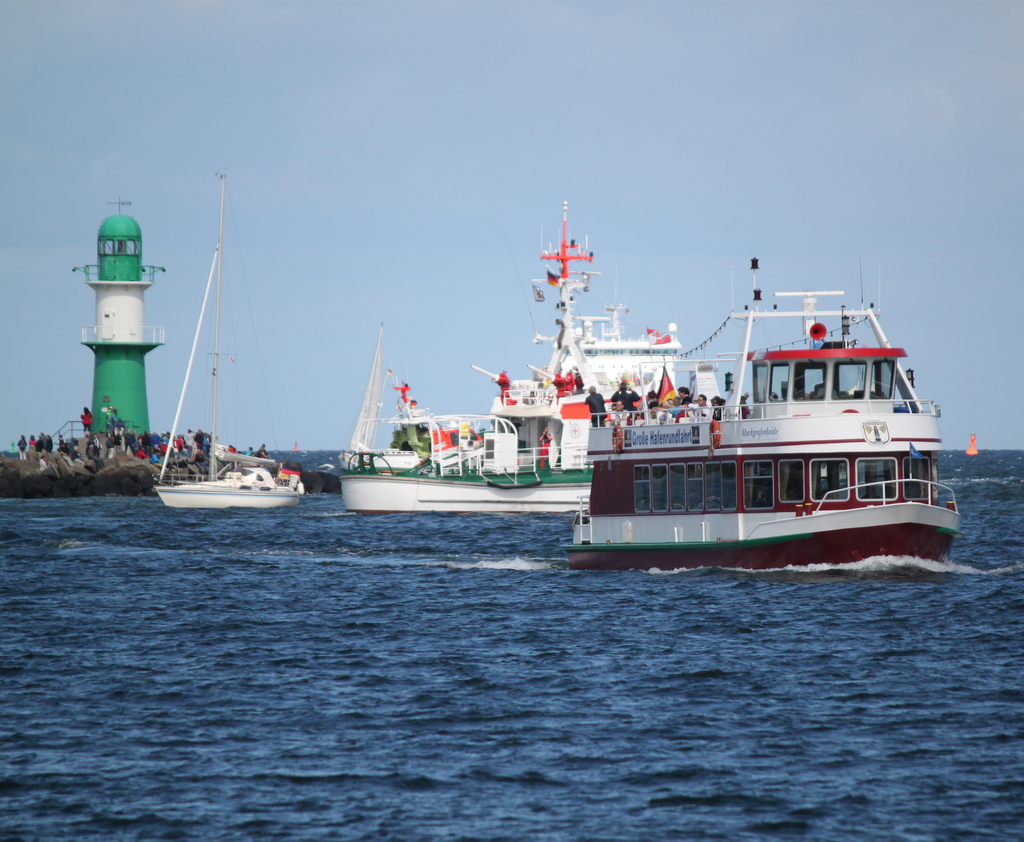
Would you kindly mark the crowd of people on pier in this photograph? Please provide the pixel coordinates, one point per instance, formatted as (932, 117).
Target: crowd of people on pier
(190, 447)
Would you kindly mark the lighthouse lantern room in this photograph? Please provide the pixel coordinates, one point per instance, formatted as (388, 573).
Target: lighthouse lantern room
(119, 338)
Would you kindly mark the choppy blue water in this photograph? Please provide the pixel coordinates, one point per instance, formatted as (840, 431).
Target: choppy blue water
(309, 674)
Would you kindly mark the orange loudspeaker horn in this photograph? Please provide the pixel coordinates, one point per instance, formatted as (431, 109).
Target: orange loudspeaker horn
(818, 331)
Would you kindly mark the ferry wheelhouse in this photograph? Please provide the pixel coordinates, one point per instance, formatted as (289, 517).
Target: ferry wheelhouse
(822, 453)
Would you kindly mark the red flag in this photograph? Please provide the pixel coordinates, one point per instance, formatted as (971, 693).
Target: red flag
(667, 390)
(664, 340)
(552, 278)
(655, 334)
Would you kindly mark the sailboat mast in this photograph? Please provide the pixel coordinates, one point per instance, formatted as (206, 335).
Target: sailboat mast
(216, 330)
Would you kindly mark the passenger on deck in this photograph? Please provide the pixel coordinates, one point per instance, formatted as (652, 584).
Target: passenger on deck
(545, 446)
(619, 416)
(560, 384)
(717, 402)
(595, 400)
(700, 411)
(504, 383)
(626, 396)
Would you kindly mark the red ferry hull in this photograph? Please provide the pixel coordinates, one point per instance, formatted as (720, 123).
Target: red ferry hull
(839, 546)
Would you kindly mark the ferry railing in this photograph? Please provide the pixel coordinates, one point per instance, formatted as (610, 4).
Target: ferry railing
(582, 519)
(938, 494)
(786, 409)
(774, 409)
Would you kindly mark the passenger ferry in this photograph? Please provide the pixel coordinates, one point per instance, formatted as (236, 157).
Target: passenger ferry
(821, 453)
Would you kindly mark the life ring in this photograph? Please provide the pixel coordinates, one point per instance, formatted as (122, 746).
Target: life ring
(618, 439)
(715, 431)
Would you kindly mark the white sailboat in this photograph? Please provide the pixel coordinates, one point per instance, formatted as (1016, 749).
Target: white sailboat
(369, 422)
(241, 480)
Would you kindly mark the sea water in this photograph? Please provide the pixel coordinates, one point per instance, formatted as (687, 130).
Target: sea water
(309, 674)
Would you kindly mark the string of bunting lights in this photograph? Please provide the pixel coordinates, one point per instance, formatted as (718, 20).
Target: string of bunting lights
(707, 341)
(721, 327)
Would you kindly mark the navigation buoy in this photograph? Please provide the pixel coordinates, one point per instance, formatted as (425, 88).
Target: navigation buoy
(818, 331)
(972, 450)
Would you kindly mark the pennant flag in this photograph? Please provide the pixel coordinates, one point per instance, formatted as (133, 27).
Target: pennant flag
(538, 294)
(667, 390)
(915, 453)
(664, 340)
(552, 278)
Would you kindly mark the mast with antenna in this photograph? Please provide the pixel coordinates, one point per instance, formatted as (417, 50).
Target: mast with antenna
(216, 330)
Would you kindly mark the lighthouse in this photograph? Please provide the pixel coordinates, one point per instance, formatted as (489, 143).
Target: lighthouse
(119, 338)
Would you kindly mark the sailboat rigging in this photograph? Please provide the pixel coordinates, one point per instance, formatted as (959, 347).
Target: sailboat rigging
(231, 479)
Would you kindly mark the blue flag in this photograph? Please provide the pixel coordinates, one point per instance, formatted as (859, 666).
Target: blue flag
(914, 452)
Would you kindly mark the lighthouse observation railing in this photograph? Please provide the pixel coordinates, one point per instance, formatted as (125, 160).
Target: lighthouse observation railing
(98, 334)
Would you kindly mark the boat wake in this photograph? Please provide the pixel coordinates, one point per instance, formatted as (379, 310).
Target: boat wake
(515, 563)
(876, 567)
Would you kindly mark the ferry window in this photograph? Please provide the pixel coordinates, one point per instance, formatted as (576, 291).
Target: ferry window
(695, 487)
(778, 387)
(830, 478)
(849, 381)
(758, 491)
(659, 488)
(641, 488)
(729, 485)
(882, 372)
(677, 486)
(791, 480)
(809, 381)
(760, 382)
(875, 477)
(915, 469)
(713, 486)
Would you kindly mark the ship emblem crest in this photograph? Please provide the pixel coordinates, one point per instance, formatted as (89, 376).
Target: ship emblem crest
(876, 432)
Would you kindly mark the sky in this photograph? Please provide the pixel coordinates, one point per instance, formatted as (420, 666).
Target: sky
(403, 163)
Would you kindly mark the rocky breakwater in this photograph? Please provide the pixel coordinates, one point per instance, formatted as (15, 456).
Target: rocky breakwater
(53, 475)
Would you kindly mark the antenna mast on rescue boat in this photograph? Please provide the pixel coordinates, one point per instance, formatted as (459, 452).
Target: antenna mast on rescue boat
(568, 252)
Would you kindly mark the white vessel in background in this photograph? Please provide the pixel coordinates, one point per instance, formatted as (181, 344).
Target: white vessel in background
(232, 479)
(496, 462)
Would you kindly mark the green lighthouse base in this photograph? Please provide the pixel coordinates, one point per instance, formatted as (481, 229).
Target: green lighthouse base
(119, 384)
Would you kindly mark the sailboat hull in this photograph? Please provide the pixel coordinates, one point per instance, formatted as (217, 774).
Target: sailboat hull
(213, 495)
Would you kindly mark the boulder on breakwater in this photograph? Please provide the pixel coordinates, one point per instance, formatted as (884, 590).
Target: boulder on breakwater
(52, 475)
